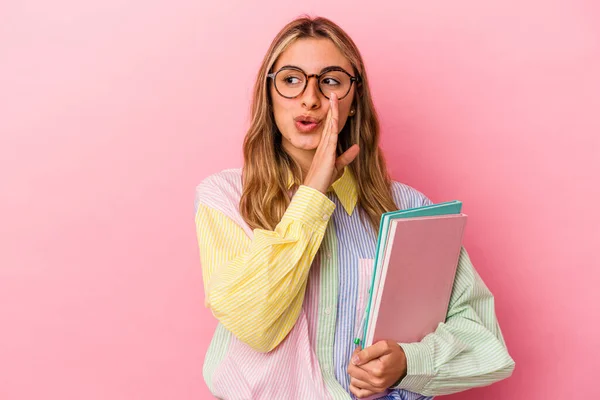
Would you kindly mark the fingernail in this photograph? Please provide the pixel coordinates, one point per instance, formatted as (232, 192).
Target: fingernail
(331, 95)
(355, 360)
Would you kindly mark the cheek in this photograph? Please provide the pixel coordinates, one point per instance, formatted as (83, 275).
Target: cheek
(281, 110)
(344, 111)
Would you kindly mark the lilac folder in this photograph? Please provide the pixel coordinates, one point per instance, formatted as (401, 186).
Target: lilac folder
(414, 284)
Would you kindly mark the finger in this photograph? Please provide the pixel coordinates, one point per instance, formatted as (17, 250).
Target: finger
(332, 133)
(372, 352)
(334, 112)
(375, 370)
(360, 393)
(350, 365)
(358, 373)
(357, 383)
(326, 127)
(328, 136)
(347, 157)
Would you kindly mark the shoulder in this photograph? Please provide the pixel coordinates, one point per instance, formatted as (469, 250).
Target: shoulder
(406, 196)
(221, 191)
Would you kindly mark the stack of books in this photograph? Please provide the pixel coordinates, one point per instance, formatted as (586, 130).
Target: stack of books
(413, 272)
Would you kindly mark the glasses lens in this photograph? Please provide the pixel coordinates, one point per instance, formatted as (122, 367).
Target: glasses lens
(289, 83)
(337, 82)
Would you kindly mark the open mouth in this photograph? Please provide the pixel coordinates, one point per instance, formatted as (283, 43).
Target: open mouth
(306, 124)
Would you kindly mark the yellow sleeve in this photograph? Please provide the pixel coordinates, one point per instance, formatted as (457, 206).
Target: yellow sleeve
(255, 288)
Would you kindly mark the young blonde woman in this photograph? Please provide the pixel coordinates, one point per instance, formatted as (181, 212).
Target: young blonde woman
(287, 242)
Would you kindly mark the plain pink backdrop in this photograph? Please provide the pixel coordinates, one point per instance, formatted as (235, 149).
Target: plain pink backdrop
(112, 111)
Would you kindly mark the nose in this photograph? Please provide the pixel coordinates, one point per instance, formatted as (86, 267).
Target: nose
(311, 98)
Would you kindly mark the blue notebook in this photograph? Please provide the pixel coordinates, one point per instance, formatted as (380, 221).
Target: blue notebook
(450, 207)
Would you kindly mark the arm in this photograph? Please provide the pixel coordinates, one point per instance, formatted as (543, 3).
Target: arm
(255, 288)
(466, 351)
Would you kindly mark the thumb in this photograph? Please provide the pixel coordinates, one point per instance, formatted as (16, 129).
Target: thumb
(370, 353)
(347, 157)
(357, 350)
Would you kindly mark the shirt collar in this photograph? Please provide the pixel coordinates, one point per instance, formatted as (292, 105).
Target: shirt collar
(344, 188)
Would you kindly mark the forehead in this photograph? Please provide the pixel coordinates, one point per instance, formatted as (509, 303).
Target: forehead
(312, 55)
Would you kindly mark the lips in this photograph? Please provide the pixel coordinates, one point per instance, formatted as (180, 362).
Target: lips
(306, 123)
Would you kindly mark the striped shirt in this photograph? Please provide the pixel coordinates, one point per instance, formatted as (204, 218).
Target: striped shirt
(290, 301)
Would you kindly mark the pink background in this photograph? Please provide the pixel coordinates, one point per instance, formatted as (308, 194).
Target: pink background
(112, 111)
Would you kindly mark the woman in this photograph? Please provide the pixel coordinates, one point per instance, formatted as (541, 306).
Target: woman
(287, 242)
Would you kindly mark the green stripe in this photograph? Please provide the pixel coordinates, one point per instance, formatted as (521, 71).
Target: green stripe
(215, 354)
(328, 312)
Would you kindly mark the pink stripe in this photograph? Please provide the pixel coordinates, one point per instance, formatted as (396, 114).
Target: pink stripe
(290, 371)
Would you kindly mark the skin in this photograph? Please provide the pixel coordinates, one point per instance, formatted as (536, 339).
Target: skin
(376, 368)
(314, 151)
(379, 366)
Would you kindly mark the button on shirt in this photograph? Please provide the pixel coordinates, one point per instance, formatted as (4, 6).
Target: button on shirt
(291, 301)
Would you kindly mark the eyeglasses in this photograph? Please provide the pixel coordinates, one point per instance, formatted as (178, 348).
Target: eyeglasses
(290, 82)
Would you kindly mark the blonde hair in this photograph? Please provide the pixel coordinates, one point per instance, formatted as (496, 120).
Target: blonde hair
(265, 194)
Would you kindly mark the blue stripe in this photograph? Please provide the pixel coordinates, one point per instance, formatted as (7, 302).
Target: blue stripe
(355, 242)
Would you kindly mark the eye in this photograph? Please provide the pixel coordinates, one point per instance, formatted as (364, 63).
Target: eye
(291, 80)
(329, 81)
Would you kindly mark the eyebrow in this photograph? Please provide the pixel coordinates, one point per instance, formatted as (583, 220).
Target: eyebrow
(320, 72)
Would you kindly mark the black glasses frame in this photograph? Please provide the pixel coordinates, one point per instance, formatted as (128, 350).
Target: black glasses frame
(273, 75)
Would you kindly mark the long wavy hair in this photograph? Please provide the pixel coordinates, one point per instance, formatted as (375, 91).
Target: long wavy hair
(266, 169)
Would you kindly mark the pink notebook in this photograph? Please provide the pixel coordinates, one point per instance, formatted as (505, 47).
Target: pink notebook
(414, 281)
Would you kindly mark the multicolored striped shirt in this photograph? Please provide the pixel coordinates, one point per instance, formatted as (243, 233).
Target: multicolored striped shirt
(290, 301)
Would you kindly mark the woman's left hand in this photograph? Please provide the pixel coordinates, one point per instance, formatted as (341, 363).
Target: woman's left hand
(376, 368)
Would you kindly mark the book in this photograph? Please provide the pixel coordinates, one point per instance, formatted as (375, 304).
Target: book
(415, 260)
